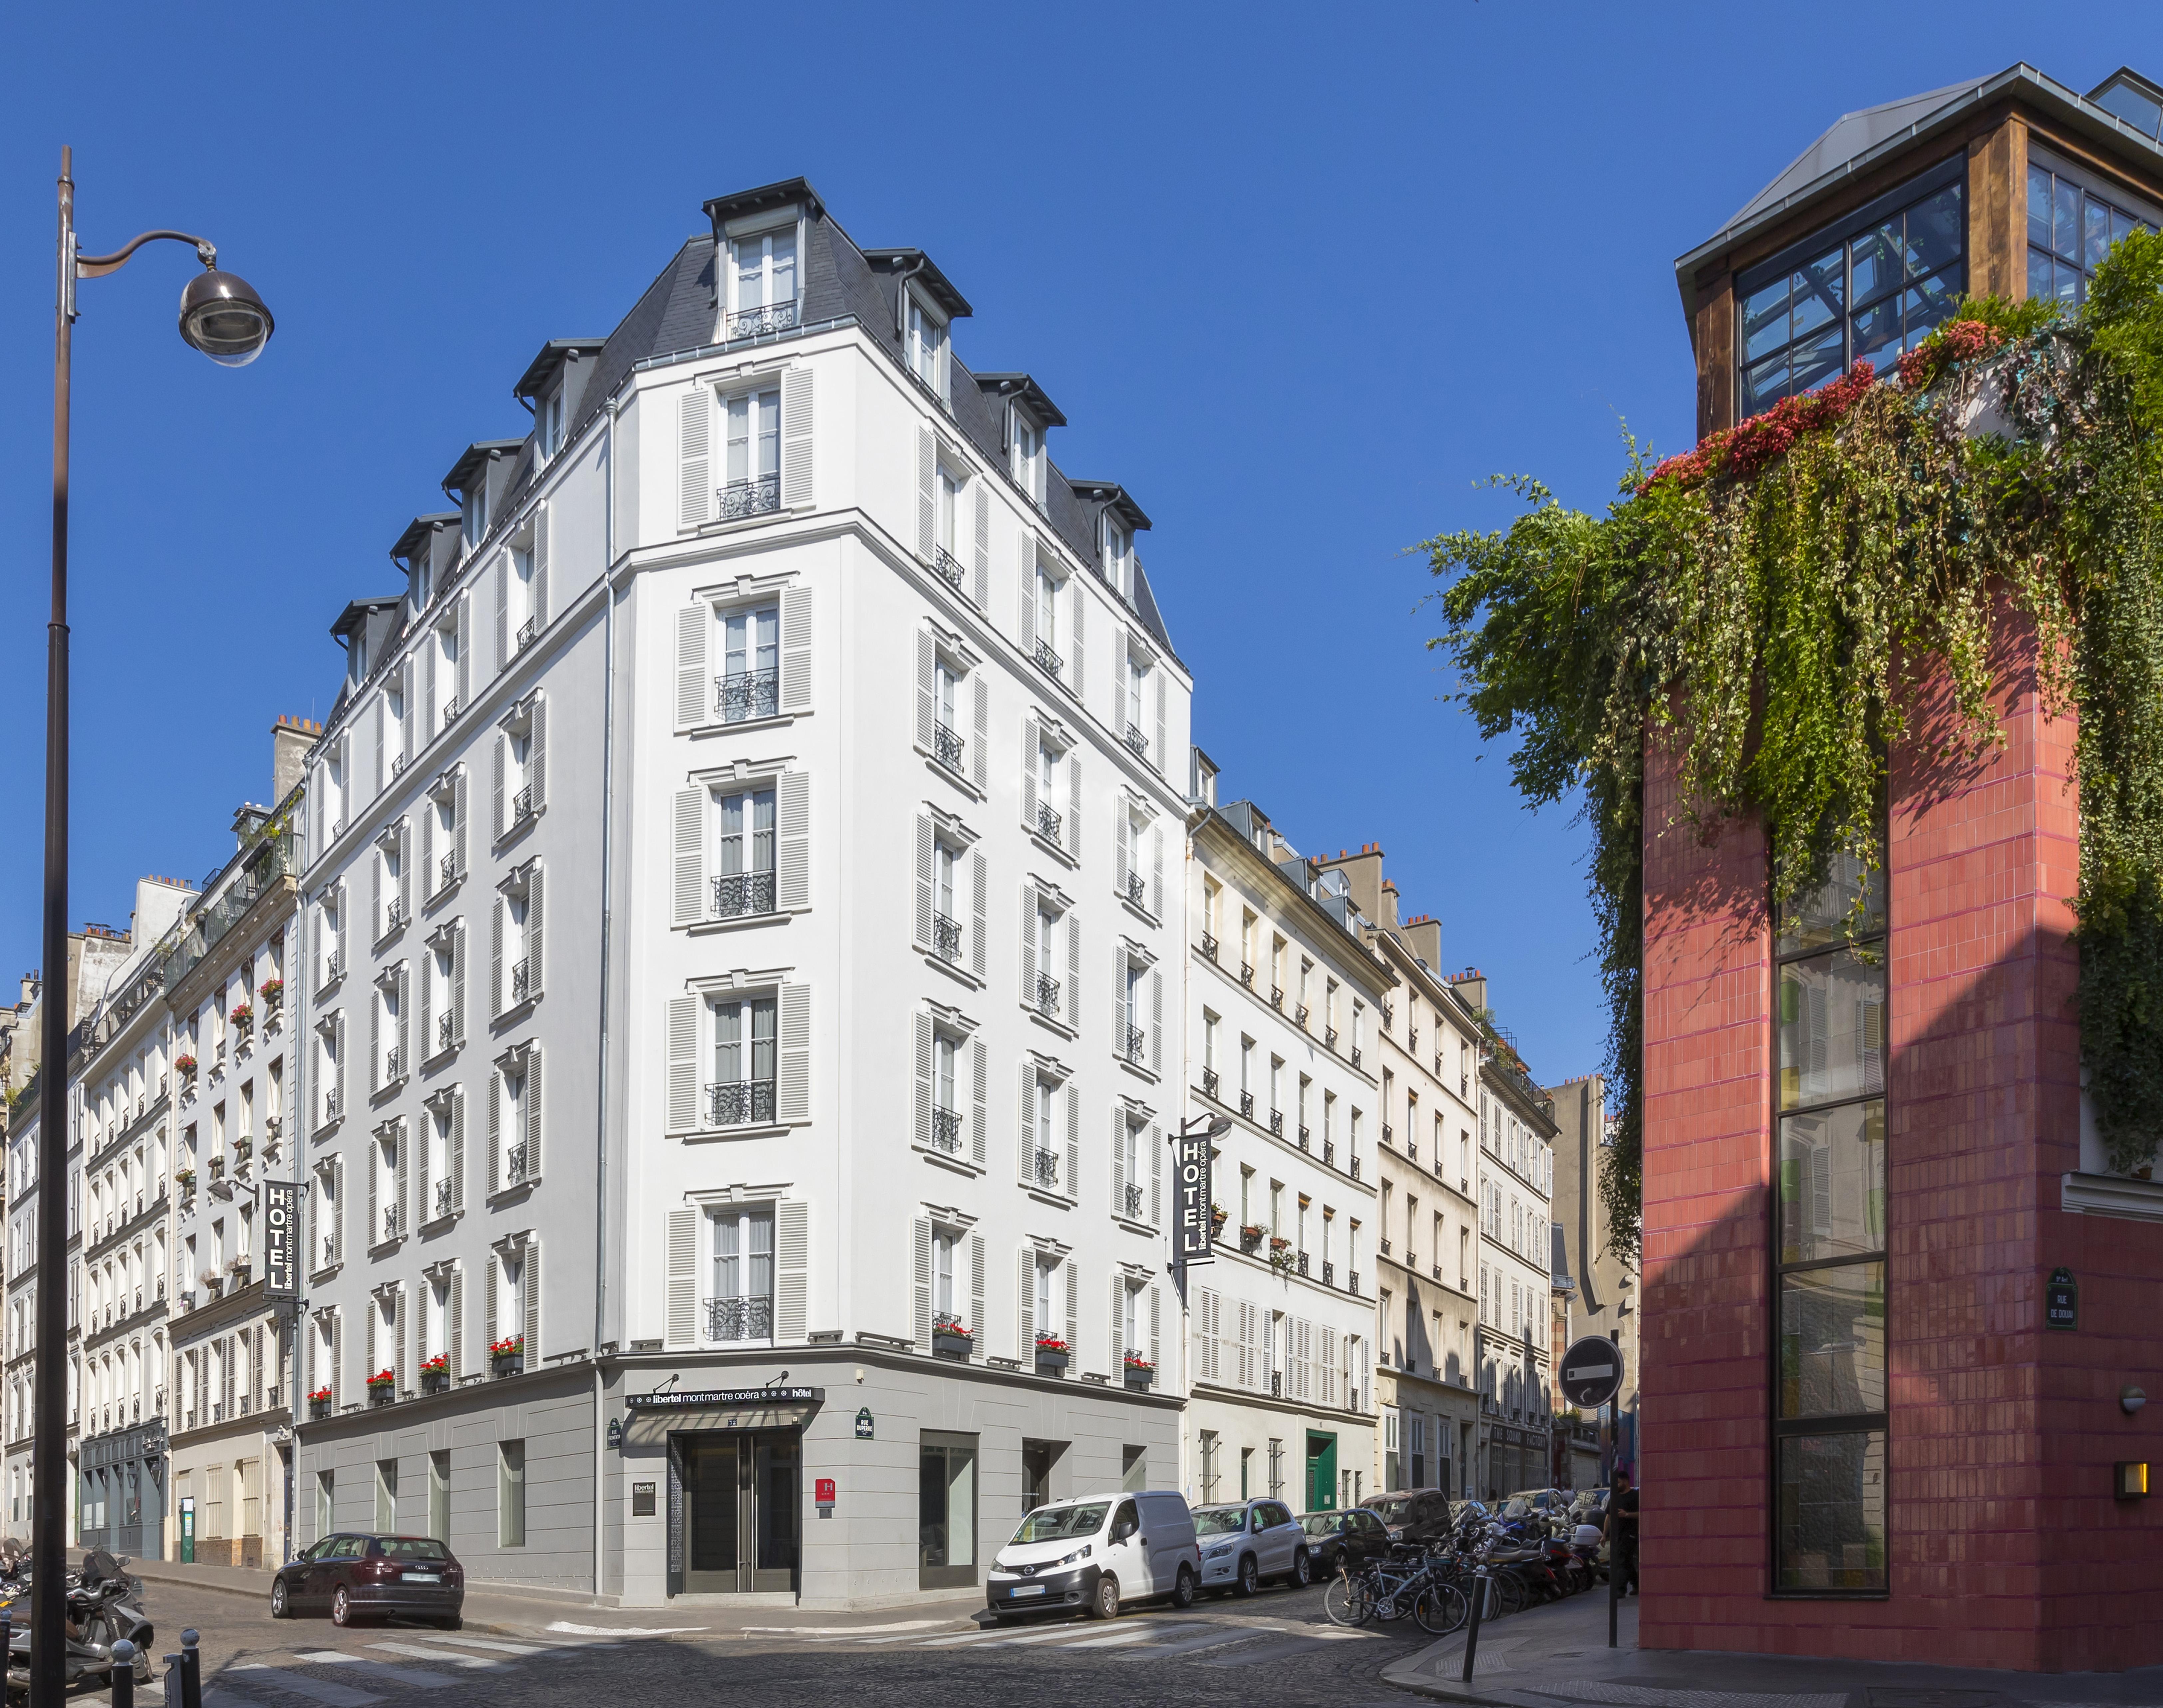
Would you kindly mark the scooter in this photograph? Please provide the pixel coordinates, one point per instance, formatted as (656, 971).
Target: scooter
(102, 1607)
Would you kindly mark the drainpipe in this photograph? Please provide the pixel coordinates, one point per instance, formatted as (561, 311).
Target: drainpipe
(901, 296)
(608, 850)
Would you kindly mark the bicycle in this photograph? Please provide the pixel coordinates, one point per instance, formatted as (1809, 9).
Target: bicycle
(1389, 1590)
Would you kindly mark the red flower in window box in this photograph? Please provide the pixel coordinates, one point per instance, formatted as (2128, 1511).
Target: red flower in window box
(514, 1347)
(440, 1364)
(383, 1379)
(1133, 1362)
(1049, 1342)
(320, 1396)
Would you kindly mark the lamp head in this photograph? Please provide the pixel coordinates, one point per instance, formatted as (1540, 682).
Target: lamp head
(221, 316)
(1220, 1126)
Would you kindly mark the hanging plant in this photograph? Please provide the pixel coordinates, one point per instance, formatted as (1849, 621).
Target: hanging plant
(1765, 607)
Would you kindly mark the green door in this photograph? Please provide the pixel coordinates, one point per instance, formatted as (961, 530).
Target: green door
(1320, 1473)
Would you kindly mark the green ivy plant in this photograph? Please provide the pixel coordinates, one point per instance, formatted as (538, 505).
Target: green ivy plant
(1767, 608)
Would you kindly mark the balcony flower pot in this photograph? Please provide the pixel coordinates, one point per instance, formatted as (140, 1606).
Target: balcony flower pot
(435, 1381)
(319, 1403)
(1250, 1237)
(1217, 1218)
(382, 1388)
(1052, 1357)
(507, 1358)
(1140, 1376)
(955, 1342)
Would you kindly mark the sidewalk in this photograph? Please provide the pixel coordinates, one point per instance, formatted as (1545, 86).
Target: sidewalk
(1557, 1655)
(493, 1605)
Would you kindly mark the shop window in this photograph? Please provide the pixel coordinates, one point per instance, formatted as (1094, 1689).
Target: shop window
(946, 1511)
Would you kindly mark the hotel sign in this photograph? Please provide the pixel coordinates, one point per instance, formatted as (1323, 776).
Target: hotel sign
(1193, 1230)
(281, 1234)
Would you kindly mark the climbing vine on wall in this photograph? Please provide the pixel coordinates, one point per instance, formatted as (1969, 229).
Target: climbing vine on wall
(1766, 606)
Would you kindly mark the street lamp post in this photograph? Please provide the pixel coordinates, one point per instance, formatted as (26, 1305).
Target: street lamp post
(222, 316)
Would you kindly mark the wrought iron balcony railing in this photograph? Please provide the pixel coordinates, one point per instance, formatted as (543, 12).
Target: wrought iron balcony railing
(1136, 1041)
(526, 630)
(1328, 1274)
(521, 980)
(1138, 891)
(1276, 1121)
(740, 1103)
(947, 747)
(946, 938)
(1047, 996)
(334, 970)
(1302, 1263)
(515, 1168)
(521, 805)
(948, 566)
(1209, 1081)
(1247, 1104)
(1134, 1197)
(740, 1319)
(390, 1064)
(1208, 946)
(447, 868)
(1046, 1168)
(1329, 1153)
(759, 494)
(946, 1129)
(443, 1198)
(1137, 742)
(763, 322)
(394, 915)
(1048, 822)
(390, 1221)
(741, 695)
(741, 893)
(451, 708)
(447, 1030)
(1047, 661)
(1247, 974)
(1303, 1131)
(330, 1249)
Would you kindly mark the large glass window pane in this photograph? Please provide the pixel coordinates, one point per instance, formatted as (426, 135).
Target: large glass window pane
(1832, 1514)
(2038, 275)
(1832, 1341)
(1877, 336)
(1819, 360)
(1819, 293)
(1877, 261)
(2095, 233)
(1765, 325)
(1763, 386)
(2065, 219)
(1926, 305)
(1832, 1184)
(1832, 1028)
(1937, 230)
(2039, 207)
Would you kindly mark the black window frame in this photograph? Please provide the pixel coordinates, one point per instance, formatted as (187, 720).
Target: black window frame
(2060, 171)
(1842, 232)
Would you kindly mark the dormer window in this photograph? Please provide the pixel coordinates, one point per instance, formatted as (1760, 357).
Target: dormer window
(1026, 456)
(549, 424)
(1118, 553)
(926, 348)
(358, 653)
(762, 283)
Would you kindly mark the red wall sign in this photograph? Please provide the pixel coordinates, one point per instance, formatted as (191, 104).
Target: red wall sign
(825, 1496)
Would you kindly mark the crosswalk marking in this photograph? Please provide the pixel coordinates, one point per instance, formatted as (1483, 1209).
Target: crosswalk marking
(491, 1643)
(993, 1635)
(316, 1689)
(448, 1657)
(1137, 1634)
(416, 1676)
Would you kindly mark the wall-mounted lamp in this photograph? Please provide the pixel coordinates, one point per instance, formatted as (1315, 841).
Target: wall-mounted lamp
(2131, 1400)
(2129, 1479)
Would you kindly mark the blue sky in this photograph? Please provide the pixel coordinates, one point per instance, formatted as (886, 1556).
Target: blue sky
(1298, 276)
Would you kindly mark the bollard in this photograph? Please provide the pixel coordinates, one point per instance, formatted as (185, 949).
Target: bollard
(190, 1669)
(172, 1681)
(1472, 1631)
(121, 1674)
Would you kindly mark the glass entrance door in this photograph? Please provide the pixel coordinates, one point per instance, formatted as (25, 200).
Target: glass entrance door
(739, 1511)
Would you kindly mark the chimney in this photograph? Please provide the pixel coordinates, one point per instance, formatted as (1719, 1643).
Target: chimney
(1363, 874)
(1422, 935)
(291, 739)
(1389, 905)
(1471, 984)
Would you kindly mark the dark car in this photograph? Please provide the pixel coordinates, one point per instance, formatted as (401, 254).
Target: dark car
(1413, 1515)
(355, 1577)
(1335, 1539)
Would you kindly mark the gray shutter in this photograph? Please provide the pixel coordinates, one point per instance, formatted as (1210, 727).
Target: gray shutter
(1118, 1161)
(406, 873)
(1027, 1315)
(980, 1124)
(796, 649)
(1031, 744)
(1154, 1137)
(531, 1265)
(924, 1079)
(373, 1227)
(532, 1135)
(1073, 1311)
(694, 485)
(429, 647)
(465, 653)
(690, 896)
(496, 988)
(337, 1066)
(796, 436)
(1156, 882)
(980, 749)
(1157, 1021)
(683, 1112)
(427, 1021)
(926, 853)
(458, 1149)
(923, 1285)
(791, 1268)
(533, 921)
(1118, 1335)
(683, 1326)
(1028, 1160)
(495, 1133)
(927, 660)
(403, 1177)
(491, 1332)
(1028, 567)
(458, 982)
(1073, 1183)
(1079, 598)
(976, 1284)
(398, 1338)
(337, 1360)
(457, 1348)
(382, 717)
(792, 854)
(541, 529)
(458, 813)
(423, 1206)
(1156, 1330)
(1070, 999)
(536, 764)
(982, 565)
(979, 900)
(1122, 828)
(1074, 803)
(793, 1097)
(694, 701)
(429, 885)
(927, 476)
(1163, 758)
(1118, 998)
(502, 610)
(375, 1040)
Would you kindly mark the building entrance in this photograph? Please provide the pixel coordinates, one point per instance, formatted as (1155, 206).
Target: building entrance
(1320, 1473)
(741, 1505)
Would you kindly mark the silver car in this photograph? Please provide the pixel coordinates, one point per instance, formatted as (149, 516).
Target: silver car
(1243, 1545)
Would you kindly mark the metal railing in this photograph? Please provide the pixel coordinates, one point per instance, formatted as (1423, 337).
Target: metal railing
(1137, 742)
(739, 1319)
(1047, 996)
(1329, 1037)
(1302, 1263)
(1355, 1167)
(1137, 1041)
(443, 1196)
(330, 1249)
(1328, 1274)
(1208, 946)
(740, 1103)
(398, 763)
(390, 1221)
(1247, 1104)
(1355, 1054)
(394, 915)
(763, 322)
(334, 970)
(1329, 1153)
(1276, 997)
(1303, 1131)
(1352, 1282)
(526, 630)
(1138, 891)
(1247, 974)
(1048, 822)
(742, 893)
(447, 868)
(1045, 1168)
(515, 1168)
(390, 1064)
(522, 978)
(743, 694)
(946, 1128)
(330, 1113)
(759, 494)
(1277, 1123)
(1299, 1015)
(451, 708)
(521, 805)
(1134, 1197)
(1210, 1082)
(447, 1030)
(945, 937)
(948, 566)
(1047, 661)
(947, 747)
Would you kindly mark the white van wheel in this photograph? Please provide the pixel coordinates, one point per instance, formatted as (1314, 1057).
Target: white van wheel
(1182, 1592)
(1104, 1604)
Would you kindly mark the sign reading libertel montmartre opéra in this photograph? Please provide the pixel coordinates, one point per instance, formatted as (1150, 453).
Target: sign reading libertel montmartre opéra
(1195, 1196)
(281, 1212)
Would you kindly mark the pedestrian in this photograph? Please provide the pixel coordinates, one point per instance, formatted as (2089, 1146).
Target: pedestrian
(1623, 1533)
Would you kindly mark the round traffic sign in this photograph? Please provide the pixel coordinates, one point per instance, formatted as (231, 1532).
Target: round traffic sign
(1592, 1371)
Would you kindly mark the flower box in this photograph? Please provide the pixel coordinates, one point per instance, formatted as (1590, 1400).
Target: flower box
(272, 991)
(508, 1357)
(382, 1388)
(1140, 1376)
(953, 1341)
(1250, 1237)
(319, 1407)
(1051, 1363)
(435, 1381)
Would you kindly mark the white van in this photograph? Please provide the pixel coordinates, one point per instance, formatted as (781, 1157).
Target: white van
(1096, 1551)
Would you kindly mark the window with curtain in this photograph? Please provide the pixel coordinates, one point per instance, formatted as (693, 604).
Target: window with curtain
(742, 1305)
(743, 854)
(742, 1087)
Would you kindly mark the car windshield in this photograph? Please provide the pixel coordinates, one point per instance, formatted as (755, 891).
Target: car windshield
(1220, 1521)
(415, 1547)
(1517, 1508)
(1321, 1523)
(1392, 1509)
(1057, 1523)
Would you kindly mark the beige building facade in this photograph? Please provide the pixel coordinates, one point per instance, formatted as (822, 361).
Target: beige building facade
(1602, 1298)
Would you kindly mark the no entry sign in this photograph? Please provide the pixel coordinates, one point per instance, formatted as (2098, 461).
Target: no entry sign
(1592, 1371)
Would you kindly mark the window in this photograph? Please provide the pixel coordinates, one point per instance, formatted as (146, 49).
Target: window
(742, 1091)
(439, 1495)
(1137, 686)
(925, 348)
(744, 854)
(945, 1115)
(946, 1511)
(325, 1502)
(510, 1493)
(1118, 554)
(549, 423)
(947, 495)
(472, 508)
(2070, 230)
(1830, 1407)
(753, 451)
(1865, 295)
(386, 1496)
(944, 1311)
(518, 1086)
(1049, 587)
(1026, 457)
(1133, 1044)
(762, 276)
(742, 1305)
(750, 682)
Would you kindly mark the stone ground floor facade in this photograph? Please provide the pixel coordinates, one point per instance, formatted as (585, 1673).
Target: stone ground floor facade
(121, 1492)
(1241, 1446)
(833, 1477)
(1429, 1433)
(228, 1492)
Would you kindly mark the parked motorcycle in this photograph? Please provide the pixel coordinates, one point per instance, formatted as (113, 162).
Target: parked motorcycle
(104, 1604)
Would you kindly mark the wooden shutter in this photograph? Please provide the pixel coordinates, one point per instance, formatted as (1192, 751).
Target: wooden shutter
(1028, 568)
(428, 1049)
(541, 543)
(981, 580)
(532, 1135)
(490, 1333)
(1156, 880)
(458, 815)
(792, 854)
(497, 989)
(927, 662)
(398, 1338)
(375, 1040)
(1117, 1337)
(797, 420)
(690, 888)
(337, 1360)
(1163, 758)
(979, 900)
(791, 1268)
(1118, 1000)
(1155, 1332)
(458, 1158)
(402, 1177)
(980, 748)
(976, 1284)
(424, 1208)
(536, 761)
(1123, 829)
(531, 1329)
(792, 1097)
(925, 1043)
(457, 1346)
(926, 853)
(382, 717)
(373, 1225)
(682, 1278)
(694, 702)
(1074, 803)
(533, 924)
(927, 510)
(1118, 1161)
(1078, 597)
(1155, 1138)
(694, 485)
(502, 610)
(796, 649)
(1069, 1004)
(405, 879)
(464, 620)
(1026, 1316)
(923, 1284)
(683, 1111)
(980, 1123)
(1073, 1140)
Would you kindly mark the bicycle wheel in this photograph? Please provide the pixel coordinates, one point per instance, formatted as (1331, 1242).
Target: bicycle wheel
(1346, 1600)
(1441, 1609)
(1510, 1595)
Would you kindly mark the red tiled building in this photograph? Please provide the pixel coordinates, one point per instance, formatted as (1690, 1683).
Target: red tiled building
(1861, 1170)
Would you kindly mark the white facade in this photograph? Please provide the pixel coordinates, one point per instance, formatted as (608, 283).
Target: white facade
(1282, 1002)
